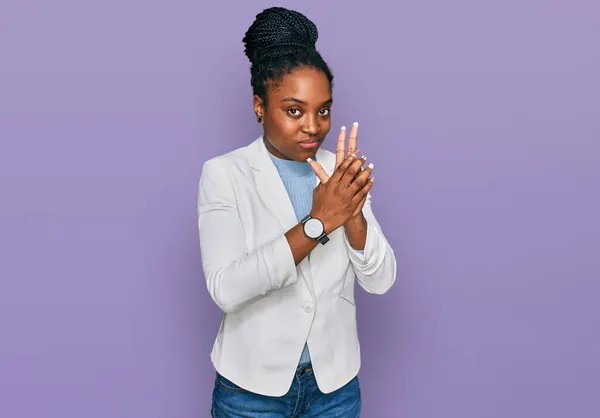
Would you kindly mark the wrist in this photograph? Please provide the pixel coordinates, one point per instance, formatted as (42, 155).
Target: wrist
(356, 232)
(356, 220)
(314, 228)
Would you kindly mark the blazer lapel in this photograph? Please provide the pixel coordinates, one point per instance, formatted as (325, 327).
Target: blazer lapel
(273, 192)
(270, 186)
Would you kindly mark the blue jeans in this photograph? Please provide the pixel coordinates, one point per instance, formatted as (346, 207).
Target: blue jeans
(304, 399)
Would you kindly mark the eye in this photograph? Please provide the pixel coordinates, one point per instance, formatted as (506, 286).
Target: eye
(324, 112)
(294, 112)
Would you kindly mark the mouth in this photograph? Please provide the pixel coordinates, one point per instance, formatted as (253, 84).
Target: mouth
(310, 143)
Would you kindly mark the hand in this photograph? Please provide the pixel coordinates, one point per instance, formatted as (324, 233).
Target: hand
(342, 196)
(341, 153)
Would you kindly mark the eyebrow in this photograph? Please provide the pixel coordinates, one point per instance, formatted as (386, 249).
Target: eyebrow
(294, 100)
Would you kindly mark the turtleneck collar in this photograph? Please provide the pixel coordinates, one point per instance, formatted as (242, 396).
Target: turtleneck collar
(291, 168)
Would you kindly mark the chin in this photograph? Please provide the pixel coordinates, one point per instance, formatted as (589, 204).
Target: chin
(305, 155)
(311, 152)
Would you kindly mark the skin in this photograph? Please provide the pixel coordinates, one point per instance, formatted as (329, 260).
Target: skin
(298, 109)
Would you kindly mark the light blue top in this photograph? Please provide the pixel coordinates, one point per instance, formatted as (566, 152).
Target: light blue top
(299, 180)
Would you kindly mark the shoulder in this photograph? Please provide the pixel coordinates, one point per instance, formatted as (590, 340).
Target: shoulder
(219, 175)
(235, 161)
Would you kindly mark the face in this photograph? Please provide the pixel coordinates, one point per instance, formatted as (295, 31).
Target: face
(297, 115)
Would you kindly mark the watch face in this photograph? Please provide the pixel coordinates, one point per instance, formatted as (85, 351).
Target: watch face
(313, 228)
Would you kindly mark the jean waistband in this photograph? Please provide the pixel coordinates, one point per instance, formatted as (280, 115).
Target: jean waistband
(303, 368)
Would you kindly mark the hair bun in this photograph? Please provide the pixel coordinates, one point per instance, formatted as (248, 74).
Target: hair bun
(278, 31)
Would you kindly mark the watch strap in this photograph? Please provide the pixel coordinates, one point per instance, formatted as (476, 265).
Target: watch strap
(323, 238)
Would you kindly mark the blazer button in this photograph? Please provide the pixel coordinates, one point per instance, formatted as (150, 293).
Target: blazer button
(308, 308)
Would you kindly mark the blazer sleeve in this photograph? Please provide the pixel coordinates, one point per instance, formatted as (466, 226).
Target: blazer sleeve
(233, 276)
(375, 267)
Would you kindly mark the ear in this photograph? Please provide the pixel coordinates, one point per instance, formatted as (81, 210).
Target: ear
(259, 108)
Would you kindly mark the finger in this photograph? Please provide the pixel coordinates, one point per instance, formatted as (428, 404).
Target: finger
(362, 178)
(353, 138)
(318, 169)
(363, 193)
(340, 152)
(352, 170)
(339, 172)
(356, 153)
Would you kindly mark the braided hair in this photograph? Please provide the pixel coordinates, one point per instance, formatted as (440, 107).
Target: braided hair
(278, 42)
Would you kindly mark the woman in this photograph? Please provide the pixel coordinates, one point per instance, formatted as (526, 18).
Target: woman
(285, 230)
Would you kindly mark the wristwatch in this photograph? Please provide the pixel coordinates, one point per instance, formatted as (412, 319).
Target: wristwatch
(313, 228)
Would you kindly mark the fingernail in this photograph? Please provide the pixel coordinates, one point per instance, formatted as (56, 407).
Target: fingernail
(372, 179)
(343, 128)
(364, 157)
(371, 166)
(309, 159)
(355, 124)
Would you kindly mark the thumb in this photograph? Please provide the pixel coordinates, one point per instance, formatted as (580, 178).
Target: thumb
(318, 169)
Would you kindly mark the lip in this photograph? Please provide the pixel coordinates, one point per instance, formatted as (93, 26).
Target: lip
(309, 143)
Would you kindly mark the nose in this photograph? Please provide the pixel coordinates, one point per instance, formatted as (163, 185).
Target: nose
(311, 125)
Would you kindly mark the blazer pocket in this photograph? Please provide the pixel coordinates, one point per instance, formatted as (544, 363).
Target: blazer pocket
(347, 292)
(348, 300)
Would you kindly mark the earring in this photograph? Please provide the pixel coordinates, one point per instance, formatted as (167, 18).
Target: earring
(259, 119)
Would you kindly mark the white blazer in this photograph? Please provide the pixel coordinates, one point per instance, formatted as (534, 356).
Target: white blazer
(271, 307)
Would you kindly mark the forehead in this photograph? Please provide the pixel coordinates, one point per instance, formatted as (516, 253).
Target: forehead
(307, 84)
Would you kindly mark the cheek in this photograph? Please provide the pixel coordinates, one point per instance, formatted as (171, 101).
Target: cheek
(282, 131)
(288, 129)
(325, 126)
(283, 124)
(290, 124)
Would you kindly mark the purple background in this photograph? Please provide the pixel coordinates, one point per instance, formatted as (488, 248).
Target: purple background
(483, 121)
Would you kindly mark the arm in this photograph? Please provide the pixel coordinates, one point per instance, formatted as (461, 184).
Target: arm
(233, 276)
(356, 232)
(375, 266)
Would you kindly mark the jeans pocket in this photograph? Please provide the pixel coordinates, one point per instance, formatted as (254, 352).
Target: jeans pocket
(357, 384)
(228, 384)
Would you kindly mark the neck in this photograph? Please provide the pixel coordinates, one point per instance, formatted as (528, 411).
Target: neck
(274, 151)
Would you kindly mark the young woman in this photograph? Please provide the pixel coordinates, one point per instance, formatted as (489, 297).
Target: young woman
(286, 229)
